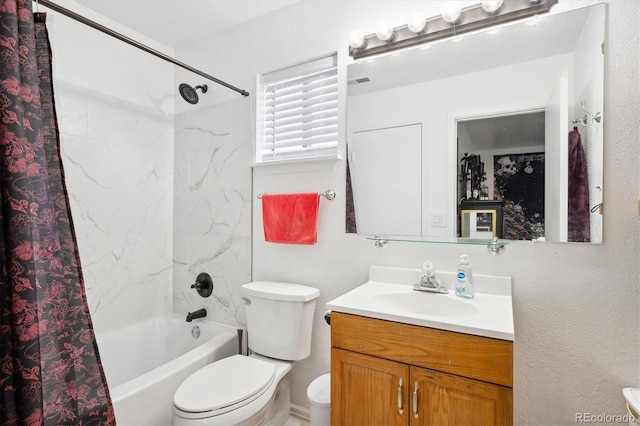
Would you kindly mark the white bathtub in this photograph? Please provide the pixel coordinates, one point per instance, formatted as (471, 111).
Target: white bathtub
(146, 362)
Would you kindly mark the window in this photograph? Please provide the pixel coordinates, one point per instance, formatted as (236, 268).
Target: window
(299, 112)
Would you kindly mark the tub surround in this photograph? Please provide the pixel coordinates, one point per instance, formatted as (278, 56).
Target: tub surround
(116, 129)
(119, 181)
(211, 209)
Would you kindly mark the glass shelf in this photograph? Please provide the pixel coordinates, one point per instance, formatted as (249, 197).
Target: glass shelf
(495, 246)
(443, 240)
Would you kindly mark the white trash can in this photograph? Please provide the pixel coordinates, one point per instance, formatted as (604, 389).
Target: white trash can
(319, 395)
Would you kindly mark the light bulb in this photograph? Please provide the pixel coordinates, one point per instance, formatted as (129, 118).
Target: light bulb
(384, 31)
(356, 39)
(491, 6)
(417, 21)
(452, 12)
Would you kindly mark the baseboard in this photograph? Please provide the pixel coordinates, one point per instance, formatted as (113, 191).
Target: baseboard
(300, 412)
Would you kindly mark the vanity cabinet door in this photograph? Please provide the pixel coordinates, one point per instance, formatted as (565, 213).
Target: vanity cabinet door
(366, 390)
(446, 399)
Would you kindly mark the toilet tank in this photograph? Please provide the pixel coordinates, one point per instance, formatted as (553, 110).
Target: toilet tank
(280, 318)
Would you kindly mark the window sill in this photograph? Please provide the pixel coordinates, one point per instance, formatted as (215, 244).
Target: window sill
(327, 158)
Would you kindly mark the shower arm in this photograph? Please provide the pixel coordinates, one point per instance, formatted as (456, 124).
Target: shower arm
(109, 31)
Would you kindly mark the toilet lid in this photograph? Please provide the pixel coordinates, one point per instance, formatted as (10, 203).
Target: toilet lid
(231, 381)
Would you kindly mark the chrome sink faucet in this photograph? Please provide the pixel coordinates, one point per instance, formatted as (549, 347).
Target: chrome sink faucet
(428, 282)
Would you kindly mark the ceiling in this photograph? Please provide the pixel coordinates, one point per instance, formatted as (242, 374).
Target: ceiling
(506, 131)
(176, 23)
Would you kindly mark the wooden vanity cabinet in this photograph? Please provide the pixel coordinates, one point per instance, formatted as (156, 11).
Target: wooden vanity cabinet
(388, 373)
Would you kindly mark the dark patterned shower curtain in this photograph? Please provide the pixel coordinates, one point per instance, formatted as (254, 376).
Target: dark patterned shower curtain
(50, 371)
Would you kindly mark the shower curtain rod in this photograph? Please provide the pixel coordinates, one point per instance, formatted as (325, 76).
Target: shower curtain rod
(134, 43)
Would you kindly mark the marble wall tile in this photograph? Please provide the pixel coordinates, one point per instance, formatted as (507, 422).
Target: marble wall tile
(155, 201)
(212, 209)
(118, 160)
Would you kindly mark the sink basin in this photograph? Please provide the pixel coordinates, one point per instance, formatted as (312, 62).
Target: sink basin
(422, 303)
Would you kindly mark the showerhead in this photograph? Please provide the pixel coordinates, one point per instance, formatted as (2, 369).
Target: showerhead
(189, 93)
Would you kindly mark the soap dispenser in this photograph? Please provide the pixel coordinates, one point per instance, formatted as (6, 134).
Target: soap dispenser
(464, 278)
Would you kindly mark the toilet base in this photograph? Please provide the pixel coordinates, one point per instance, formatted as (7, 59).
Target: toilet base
(276, 413)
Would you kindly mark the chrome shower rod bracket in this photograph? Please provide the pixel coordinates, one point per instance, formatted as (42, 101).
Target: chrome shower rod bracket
(73, 15)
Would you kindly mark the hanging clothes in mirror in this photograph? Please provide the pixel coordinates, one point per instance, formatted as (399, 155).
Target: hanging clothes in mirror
(579, 226)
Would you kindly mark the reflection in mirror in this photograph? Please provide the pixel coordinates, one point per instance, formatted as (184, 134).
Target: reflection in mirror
(493, 117)
(502, 159)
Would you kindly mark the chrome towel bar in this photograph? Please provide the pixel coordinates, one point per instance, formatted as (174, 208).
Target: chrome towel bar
(329, 194)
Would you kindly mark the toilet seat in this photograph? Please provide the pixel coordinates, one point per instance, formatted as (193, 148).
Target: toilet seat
(223, 386)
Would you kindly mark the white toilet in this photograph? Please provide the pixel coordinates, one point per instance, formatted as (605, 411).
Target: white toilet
(254, 389)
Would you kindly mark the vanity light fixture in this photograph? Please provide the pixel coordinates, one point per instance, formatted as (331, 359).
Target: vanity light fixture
(356, 39)
(452, 13)
(473, 18)
(491, 6)
(384, 31)
(417, 22)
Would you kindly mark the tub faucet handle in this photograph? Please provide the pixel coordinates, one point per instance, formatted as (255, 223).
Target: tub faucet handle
(203, 284)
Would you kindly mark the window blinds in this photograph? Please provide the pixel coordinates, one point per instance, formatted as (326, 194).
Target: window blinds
(300, 112)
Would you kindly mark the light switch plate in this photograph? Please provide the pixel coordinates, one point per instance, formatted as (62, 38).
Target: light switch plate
(439, 219)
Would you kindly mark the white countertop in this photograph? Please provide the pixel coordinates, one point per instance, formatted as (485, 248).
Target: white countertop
(388, 295)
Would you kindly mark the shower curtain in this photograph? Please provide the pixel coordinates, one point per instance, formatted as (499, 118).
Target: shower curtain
(50, 371)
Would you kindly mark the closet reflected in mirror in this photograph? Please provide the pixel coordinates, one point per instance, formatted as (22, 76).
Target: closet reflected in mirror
(502, 117)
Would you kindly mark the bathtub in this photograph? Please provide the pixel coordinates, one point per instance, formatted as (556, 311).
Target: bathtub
(146, 362)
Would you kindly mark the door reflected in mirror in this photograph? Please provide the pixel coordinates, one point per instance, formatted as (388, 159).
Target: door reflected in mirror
(492, 119)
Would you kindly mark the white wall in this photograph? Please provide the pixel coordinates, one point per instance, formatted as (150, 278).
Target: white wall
(575, 306)
(115, 112)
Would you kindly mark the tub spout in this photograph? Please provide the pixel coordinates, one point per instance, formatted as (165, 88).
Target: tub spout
(200, 313)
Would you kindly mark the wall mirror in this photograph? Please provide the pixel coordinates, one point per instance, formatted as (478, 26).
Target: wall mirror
(493, 133)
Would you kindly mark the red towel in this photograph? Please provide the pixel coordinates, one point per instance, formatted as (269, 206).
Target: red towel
(290, 218)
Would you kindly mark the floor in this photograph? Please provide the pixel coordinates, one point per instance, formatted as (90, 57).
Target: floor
(296, 421)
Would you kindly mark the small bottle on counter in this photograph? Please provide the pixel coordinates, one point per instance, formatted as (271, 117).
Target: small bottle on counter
(464, 278)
